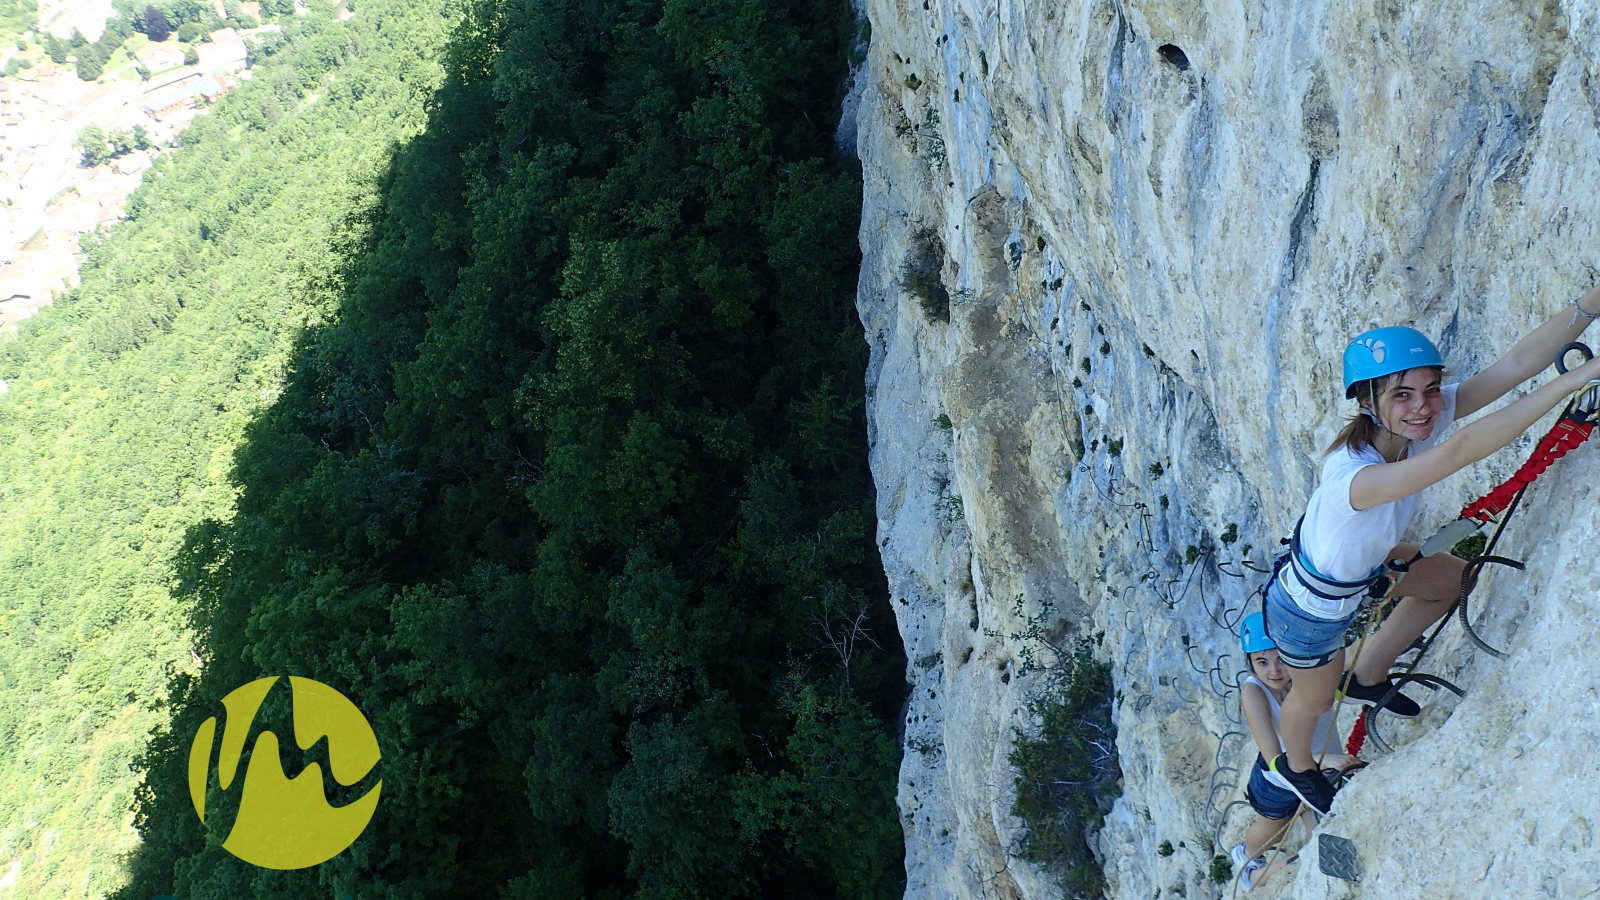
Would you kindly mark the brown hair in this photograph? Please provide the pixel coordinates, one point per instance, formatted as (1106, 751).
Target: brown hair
(1360, 430)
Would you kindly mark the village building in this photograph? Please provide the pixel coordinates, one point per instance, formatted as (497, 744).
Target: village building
(173, 100)
(160, 57)
(225, 53)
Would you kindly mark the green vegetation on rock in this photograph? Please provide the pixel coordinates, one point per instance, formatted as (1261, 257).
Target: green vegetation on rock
(1068, 773)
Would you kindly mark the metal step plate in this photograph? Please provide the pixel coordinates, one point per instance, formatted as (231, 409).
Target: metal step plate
(1336, 856)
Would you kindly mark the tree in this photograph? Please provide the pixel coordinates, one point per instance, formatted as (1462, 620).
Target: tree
(90, 65)
(92, 142)
(56, 49)
(121, 142)
(77, 39)
(191, 56)
(141, 138)
(190, 11)
(156, 26)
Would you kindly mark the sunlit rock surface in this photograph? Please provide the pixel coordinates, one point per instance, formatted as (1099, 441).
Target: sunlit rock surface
(1204, 201)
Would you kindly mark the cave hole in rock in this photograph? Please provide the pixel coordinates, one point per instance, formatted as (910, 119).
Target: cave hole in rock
(1174, 56)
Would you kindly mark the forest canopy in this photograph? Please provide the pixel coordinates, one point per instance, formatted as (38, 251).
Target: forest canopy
(563, 481)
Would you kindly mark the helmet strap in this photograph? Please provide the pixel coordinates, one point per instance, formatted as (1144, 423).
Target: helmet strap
(1372, 413)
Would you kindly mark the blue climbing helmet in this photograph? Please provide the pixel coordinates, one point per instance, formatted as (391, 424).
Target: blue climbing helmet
(1253, 634)
(1384, 351)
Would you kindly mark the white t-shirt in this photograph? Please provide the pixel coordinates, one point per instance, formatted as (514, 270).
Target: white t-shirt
(1346, 544)
(1323, 739)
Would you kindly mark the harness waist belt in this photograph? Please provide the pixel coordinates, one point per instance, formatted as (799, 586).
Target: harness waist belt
(1316, 583)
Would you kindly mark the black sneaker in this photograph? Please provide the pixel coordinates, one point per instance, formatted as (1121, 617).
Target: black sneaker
(1310, 786)
(1399, 703)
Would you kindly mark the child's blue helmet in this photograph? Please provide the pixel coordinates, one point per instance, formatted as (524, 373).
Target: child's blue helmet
(1384, 351)
(1253, 634)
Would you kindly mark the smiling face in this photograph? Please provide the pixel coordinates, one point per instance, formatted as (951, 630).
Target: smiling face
(1411, 404)
(1266, 666)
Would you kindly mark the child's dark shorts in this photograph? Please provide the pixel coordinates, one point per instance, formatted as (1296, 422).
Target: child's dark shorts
(1266, 798)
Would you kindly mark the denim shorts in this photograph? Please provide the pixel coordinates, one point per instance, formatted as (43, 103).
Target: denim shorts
(1266, 798)
(1304, 641)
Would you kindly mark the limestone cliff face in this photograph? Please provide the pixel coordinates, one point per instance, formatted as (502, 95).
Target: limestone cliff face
(1157, 224)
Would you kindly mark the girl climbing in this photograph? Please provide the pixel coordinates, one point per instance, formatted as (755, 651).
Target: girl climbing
(1261, 694)
(1374, 470)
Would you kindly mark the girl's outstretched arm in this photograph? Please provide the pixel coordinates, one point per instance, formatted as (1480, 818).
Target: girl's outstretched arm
(1386, 483)
(1532, 353)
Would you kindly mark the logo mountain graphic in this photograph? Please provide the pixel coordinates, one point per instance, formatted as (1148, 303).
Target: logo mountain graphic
(286, 823)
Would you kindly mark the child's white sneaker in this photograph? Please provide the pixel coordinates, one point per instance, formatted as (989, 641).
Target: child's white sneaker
(1247, 877)
(1247, 867)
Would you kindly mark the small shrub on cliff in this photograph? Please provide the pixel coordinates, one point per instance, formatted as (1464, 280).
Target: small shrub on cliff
(1470, 546)
(921, 275)
(1068, 774)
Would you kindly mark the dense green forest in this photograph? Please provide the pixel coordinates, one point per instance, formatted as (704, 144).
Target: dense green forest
(498, 367)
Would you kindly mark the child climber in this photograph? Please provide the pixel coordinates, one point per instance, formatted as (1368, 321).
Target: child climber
(1261, 693)
(1392, 449)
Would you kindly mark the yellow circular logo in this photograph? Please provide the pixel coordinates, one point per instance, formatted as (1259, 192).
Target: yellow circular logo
(286, 823)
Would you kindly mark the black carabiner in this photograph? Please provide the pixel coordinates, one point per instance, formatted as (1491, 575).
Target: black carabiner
(1561, 355)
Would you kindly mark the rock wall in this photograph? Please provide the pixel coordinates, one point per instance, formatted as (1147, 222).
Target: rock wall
(1154, 226)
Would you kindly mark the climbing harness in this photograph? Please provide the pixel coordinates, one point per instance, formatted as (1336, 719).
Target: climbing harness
(1319, 584)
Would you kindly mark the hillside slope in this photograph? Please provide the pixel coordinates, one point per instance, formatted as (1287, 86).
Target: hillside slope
(125, 400)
